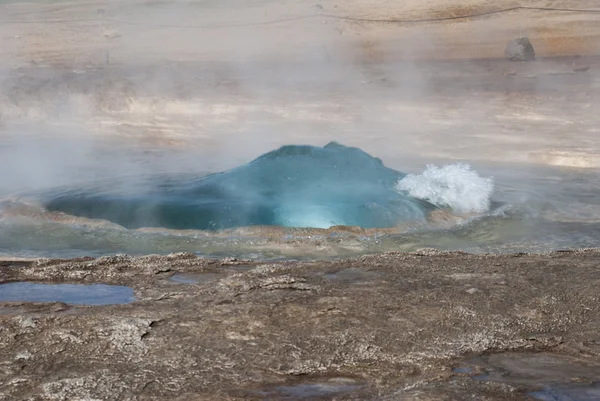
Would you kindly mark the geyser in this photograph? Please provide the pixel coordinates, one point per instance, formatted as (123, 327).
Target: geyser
(293, 186)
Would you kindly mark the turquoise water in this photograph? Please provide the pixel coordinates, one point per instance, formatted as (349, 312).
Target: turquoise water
(293, 186)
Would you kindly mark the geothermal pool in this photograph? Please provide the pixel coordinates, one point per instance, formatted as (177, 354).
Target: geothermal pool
(294, 186)
(303, 202)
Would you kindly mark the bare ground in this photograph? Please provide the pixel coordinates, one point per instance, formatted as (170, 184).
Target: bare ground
(484, 110)
(438, 90)
(395, 324)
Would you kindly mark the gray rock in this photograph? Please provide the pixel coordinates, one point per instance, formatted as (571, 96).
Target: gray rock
(285, 330)
(520, 50)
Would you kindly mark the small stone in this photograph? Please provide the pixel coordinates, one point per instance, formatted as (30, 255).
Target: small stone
(472, 290)
(581, 68)
(520, 50)
(26, 322)
(111, 34)
(25, 355)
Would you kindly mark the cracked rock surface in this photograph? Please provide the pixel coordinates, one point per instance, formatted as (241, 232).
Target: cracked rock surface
(390, 326)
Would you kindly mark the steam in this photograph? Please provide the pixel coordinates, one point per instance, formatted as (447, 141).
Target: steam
(206, 100)
(202, 99)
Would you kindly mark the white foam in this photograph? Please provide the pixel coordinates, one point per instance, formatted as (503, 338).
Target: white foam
(456, 186)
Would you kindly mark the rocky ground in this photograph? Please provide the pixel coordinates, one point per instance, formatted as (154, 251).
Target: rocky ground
(391, 326)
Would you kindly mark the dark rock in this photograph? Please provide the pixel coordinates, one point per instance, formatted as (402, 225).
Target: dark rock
(520, 50)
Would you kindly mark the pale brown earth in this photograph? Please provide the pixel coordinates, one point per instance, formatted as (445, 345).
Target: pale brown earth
(394, 324)
(150, 31)
(430, 91)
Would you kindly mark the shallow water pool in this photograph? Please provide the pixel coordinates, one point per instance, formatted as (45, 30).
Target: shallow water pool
(75, 294)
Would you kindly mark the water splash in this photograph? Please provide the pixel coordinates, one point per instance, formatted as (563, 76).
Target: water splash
(455, 186)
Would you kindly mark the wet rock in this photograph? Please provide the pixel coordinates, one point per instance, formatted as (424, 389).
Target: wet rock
(520, 50)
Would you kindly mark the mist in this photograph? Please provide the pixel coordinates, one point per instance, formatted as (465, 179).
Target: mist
(225, 80)
(121, 91)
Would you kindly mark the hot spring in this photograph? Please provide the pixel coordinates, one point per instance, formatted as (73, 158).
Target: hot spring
(294, 186)
(303, 201)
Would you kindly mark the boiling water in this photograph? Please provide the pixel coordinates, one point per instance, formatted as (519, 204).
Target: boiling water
(294, 186)
(309, 202)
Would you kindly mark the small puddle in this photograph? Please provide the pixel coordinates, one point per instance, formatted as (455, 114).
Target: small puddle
(195, 278)
(353, 275)
(75, 294)
(238, 268)
(590, 392)
(547, 377)
(313, 390)
(206, 277)
(11, 311)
